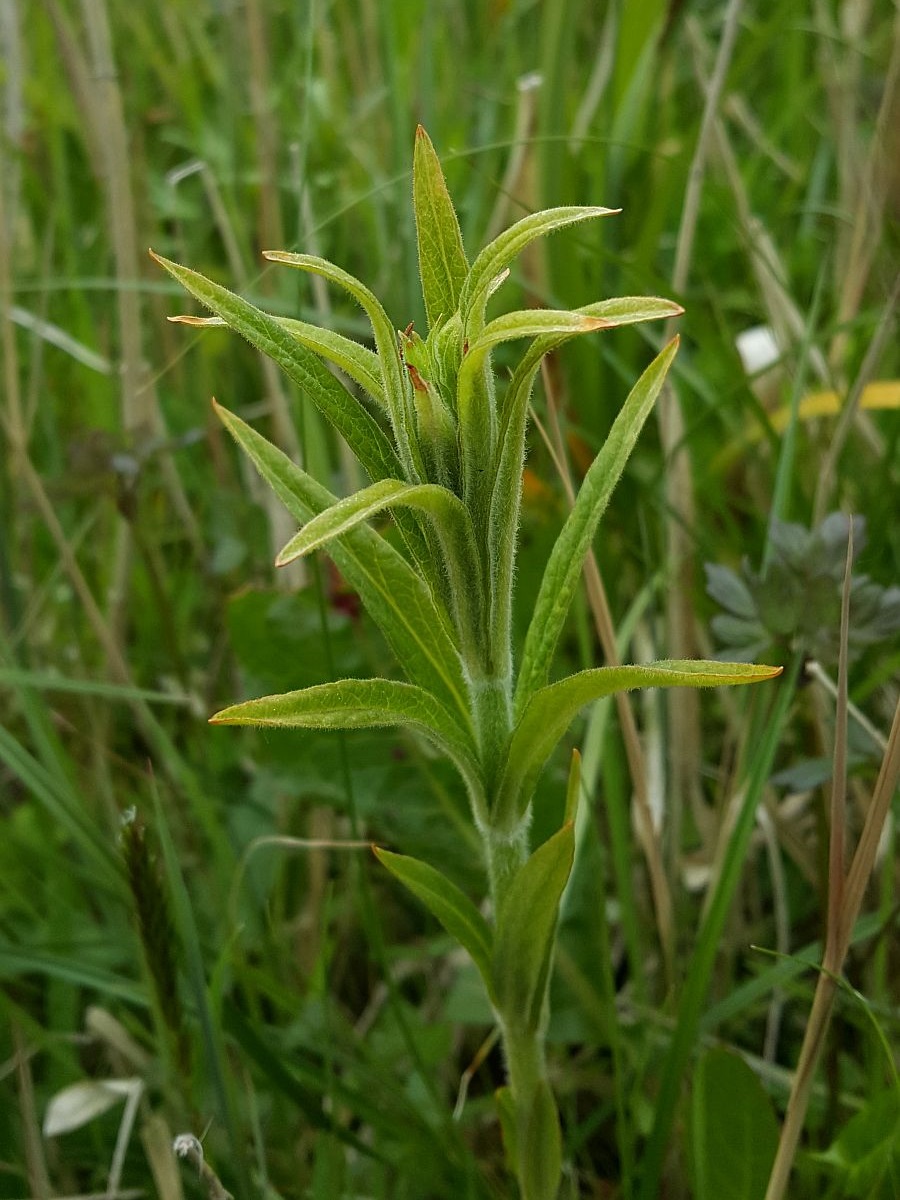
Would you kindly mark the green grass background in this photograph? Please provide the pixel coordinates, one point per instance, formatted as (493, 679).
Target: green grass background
(317, 1025)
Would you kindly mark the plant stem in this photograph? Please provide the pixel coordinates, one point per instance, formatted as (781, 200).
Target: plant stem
(505, 852)
(525, 1062)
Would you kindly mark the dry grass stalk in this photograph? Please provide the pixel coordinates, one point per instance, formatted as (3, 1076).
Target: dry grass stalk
(845, 897)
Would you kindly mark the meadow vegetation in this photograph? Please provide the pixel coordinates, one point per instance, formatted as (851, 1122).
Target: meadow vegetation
(195, 938)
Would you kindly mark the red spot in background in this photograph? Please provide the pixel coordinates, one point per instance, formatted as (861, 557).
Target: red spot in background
(341, 596)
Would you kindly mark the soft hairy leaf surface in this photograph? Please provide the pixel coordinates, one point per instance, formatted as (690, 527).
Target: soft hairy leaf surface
(499, 254)
(563, 569)
(505, 494)
(442, 260)
(448, 903)
(354, 360)
(360, 431)
(383, 330)
(530, 323)
(359, 704)
(541, 1155)
(438, 502)
(526, 922)
(398, 600)
(551, 710)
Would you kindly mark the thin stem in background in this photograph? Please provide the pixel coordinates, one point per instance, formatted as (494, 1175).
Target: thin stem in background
(851, 410)
(678, 489)
(845, 897)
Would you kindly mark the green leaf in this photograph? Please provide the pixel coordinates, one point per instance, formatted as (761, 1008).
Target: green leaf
(357, 427)
(496, 256)
(448, 903)
(525, 323)
(360, 704)
(563, 570)
(358, 362)
(354, 360)
(526, 921)
(453, 525)
(506, 1112)
(399, 601)
(865, 1157)
(550, 711)
(541, 1161)
(631, 310)
(506, 476)
(573, 787)
(395, 387)
(446, 508)
(442, 260)
(734, 1131)
(530, 322)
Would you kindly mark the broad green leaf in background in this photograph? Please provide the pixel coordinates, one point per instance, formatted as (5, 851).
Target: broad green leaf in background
(448, 903)
(442, 259)
(361, 704)
(357, 427)
(551, 710)
(397, 599)
(563, 569)
(526, 924)
(734, 1133)
(865, 1156)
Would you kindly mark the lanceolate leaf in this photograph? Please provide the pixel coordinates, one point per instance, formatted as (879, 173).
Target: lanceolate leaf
(360, 430)
(526, 922)
(541, 1160)
(563, 569)
(398, 600)
(550, 710)
(442, 259)
(385, 336)
(354, 360)
(444, 900)
(507, 475)
(500, 253)
(360, 704)
(453, 525)
(446, 508)
(530, 322)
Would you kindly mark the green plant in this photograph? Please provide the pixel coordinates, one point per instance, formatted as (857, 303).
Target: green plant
(445, 453)
(793, 604)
